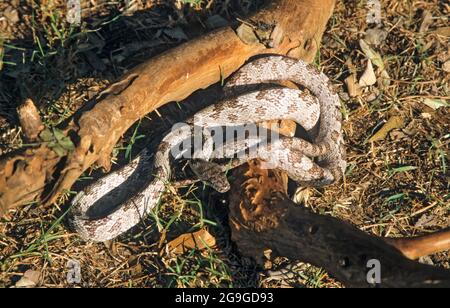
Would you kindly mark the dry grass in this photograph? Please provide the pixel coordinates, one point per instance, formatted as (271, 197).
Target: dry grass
(62, 68)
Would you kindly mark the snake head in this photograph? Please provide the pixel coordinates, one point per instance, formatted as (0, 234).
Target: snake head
(211, 174)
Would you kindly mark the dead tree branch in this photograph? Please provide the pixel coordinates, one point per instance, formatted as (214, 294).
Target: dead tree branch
(267, 223)
(292, 27)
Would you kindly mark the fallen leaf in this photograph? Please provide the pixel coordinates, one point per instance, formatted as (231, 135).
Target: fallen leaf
(371, 54)
(385, 79)
(198, 240)
(277, 36)
(29, 279)
(412, 128)
(246, 34)
(397, 135)
(444, 56)
(376, 36)
(425, 46)
(402, 170)
(435, 104)
(354, 89)
(64, 141)
(57, 141)
(427, 221)
(372, 97)
(426, 22)
(444, 31)
(302, 195)
(368, 78)
(130, 8)
(351, 67)
(394, 123)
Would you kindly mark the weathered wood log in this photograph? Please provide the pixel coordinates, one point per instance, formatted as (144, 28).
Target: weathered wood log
(267, 223)
(292, 27)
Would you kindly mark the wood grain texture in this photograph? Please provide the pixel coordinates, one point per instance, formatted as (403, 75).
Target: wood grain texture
(171, 76)
(267, 223)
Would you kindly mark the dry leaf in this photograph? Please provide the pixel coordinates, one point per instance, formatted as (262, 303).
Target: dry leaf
(131, 8)
(354, 89)
(427, 22)
(198, 240)
(351, 67)
(376, 36)
(246, 34)
(384, 80)
(302, 195)
(444, 31)
(412, 128)
(435, 104)
(29, 279)
(397, 135)
(427, 221)
(277, 36)
(394, 123)
(425, 45)
(371, 54)
(368, 78)
(444, 56)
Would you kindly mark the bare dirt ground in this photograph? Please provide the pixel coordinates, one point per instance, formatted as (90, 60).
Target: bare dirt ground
(396, 186)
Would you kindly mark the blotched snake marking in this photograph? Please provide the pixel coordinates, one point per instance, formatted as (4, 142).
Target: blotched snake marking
(119, 201)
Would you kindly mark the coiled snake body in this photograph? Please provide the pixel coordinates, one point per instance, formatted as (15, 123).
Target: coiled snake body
(130, 193)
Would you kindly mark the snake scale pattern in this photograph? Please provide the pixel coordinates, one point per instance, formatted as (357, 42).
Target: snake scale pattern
(121, 199)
